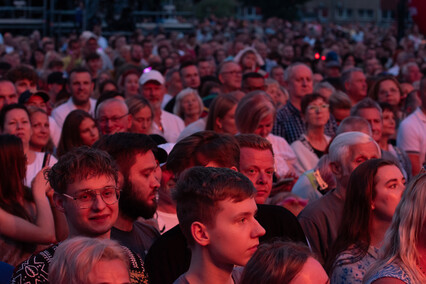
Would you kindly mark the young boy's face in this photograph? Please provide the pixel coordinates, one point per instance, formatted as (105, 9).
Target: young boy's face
(234, 236)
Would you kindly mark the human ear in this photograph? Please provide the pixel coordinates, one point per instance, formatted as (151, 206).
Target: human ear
(218, 123)
(59, 202)
(200, 234)
(336, 168)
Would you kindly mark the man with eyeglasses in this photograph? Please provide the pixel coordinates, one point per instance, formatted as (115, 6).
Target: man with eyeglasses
(230, 75)
(85, 185)
(137, 158)
(113, 116)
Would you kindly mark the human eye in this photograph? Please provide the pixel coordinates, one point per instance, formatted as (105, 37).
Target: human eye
(108, 192)
(270, 172)
(84, 196)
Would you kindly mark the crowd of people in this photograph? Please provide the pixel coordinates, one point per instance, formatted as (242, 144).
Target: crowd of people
(245, 152)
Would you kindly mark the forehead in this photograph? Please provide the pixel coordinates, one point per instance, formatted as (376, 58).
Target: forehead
(115, 106)
(7, 88)
(301, 71)
(230, 66)
(369, 113)
(229, 208)
(190, 69)
(387, 83)
(152, 84)
(16, 114)
(364, 149)
(144, 161)
(356, 75)
(251, 156)
(80, 76)
(92, 182)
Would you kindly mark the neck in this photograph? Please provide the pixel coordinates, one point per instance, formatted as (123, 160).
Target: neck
(190, 119)
(378, 231)
(166, 207)
(383, 143)
(157, 115)
(295, 102)
(85, 106)
(73, 233)
(315, 133)
(124, 223)
(203, 269)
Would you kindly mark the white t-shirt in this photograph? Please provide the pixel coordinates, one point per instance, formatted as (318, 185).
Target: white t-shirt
(166, 221)
(172, 126)
(36, 166)
(62, 111)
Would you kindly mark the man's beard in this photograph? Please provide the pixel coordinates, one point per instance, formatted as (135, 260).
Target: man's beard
(131, 206)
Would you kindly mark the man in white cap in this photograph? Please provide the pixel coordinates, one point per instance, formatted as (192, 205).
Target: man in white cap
(166, 124)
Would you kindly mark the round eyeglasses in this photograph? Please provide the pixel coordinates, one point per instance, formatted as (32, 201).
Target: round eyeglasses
(86, 198)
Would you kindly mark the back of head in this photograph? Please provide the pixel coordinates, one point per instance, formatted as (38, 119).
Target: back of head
(22, 72)
(277, 262)
(198, 191)
(75, 258)
(202, 148)
(354, 123)
(339, 149)
(79, 164)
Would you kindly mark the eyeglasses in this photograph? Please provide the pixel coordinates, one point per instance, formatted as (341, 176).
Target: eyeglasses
(313, 108)
(114, 119)
(85, 198)
(235, 72)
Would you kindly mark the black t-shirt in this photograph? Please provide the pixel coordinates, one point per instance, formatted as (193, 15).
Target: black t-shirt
(169, 256)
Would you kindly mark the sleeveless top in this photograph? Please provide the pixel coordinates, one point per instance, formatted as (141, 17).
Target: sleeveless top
(392, 270)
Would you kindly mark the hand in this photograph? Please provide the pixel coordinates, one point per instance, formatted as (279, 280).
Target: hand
(40, 186)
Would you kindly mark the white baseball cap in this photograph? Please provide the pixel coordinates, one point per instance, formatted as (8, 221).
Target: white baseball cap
(152, 75)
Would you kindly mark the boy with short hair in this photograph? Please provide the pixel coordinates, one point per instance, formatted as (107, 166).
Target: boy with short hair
(216, 209)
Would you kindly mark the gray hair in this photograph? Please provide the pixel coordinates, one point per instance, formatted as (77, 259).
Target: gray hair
(347, 74)
(290, 69)
(365, 103)
(177, 109)
(110, 101)
(354, 123)
(324, 85)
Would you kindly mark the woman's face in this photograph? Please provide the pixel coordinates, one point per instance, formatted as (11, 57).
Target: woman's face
(265, 126)
(248, 61)
(18, 123)
(390, 184)
(131, 85)
(190, 105)
(317, 113)
(389, 93)
(389, 123)
(40, 127)
(227, 123)
(142, 121)
(89, 133)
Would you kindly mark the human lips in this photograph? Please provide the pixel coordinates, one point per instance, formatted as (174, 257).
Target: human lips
(100, 218)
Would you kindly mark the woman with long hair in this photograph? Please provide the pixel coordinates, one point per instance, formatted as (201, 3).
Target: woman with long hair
(79, 129)
(402, 257)
(374, 190)
(25, 216)
(221, 117)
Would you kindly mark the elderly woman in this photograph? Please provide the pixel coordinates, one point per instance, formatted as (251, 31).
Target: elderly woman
(189, 105)
(312, 145)
(255, 113)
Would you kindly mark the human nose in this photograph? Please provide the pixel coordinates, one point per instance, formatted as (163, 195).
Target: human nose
(98, 203)
(19, 125)
(262, 179)
(258, 230)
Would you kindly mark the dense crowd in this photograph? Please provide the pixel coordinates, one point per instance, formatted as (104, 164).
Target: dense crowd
(244, 152)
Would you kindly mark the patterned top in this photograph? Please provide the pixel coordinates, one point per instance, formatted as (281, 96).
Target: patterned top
(348, 270)
(36, 268)
(392, 270)
(289, 124)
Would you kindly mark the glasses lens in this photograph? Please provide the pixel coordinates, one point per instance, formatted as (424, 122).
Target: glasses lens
(109, 195)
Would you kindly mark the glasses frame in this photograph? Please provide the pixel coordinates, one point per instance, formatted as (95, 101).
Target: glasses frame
(117, 192)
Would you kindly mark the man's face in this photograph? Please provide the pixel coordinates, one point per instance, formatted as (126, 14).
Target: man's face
(154, 93)
(278, 75)
(8, 94)
(81, 87)
(234, 236)
(413, 74)
(358, 154)
(24, 85)
(356, 87)
(147, 49)
(95, 221)
(372, 115)
(258, 166)
(190, 77)
(174, 86)
(231, 76)
(254, 84)
(205, 68)
(137, 53)
(300, 83)
(340, 114)
(114, 118)
(36, 101)
(140, 189)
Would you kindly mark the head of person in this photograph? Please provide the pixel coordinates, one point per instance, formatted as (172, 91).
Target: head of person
(315, 110)
(107, 86)
(12, 173)
(152, 88)
(79, 129)
(8, 93)
(354, 123)
(15, 120)
(406, 231)
(412, 102)
(38, 99)
(347, 151)
(216, 209)
(80, 85)
(40, 137)
(262, 114)
(23, 77)
(340, 106)
(142, 114)
(189, 75)
(299, 80)
(205, 148)
(283, 262)
(253, 81)
(137, 157)
(374, 190)
(129, 83)
(221, 117)
(274, 90)
(113, 116)
(136, 53)
(355, 83)
(85, 184)
(206, 67)
(188, 104)
(277, 73)
(93, 62)
(386, 90)
(389, 120)
(411, 72)
(325, 89)
(230, 75)
(247, 59)
(89, 260)
(173, 82)
(372, 112)
(257, 163)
